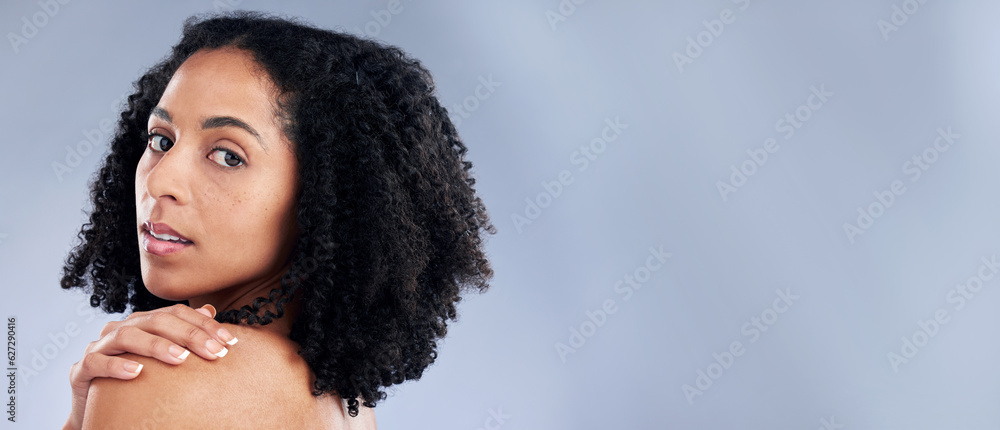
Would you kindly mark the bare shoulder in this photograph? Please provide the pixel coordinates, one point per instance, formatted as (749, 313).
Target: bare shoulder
(262, 380)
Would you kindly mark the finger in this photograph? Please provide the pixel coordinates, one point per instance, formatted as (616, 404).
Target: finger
(197, 317)
(109, 327)
(204, 317)
(182, 325)
(137, 341)
(208, 310)
(96, 365)
(192, 333)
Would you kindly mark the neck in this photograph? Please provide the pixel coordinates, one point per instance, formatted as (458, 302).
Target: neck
(236, 298)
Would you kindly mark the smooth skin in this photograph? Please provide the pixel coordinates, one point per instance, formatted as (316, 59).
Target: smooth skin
(158, 334)
(220, 171)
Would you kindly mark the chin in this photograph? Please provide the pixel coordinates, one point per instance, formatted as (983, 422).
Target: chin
(166, 288)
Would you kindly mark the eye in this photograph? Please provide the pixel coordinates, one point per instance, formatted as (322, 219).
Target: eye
(160, 143)
(225, 157)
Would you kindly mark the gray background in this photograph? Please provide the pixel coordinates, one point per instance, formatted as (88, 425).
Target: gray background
(824, 361)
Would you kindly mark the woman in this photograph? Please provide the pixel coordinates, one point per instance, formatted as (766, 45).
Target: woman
(307, 190)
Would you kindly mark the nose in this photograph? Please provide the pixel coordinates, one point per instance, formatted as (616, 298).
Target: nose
(169, 175)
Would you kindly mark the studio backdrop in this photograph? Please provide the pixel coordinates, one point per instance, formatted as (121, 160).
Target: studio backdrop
(711, 214)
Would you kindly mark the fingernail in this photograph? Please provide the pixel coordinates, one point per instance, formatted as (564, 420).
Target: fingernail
(133, 367)
(216, 348)
(178, 352)
(204, 312)
(227, 336)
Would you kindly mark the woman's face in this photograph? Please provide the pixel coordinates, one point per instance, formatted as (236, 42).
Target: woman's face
(219, 175)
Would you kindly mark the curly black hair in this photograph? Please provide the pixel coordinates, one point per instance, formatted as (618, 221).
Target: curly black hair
(389, 217)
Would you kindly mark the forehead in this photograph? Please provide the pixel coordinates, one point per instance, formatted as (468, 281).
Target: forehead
(225, 81)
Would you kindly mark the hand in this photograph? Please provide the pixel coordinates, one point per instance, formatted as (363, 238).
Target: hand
(162, 334)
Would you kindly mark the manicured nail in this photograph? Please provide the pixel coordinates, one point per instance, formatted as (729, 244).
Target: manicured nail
(178, 352)
(133, 367)
(227, 336)
(205, 312)
(216, 348)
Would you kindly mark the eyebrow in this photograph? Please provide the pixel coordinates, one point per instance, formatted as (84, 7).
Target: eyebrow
(216, 122)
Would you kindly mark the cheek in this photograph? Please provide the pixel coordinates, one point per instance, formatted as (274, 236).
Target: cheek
(141, 172)
(249, 225)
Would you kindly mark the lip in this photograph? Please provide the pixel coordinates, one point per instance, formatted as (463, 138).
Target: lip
(156, 246)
